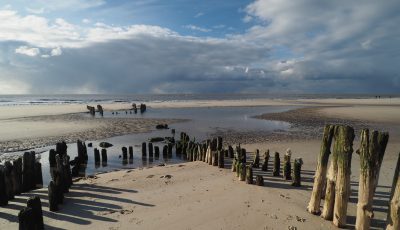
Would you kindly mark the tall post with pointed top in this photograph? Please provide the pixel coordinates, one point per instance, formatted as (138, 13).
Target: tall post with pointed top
(320, 172)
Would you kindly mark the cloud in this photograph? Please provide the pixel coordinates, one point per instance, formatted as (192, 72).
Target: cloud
(56, 51)
(197, 28)
(35, 11)
(25, 50)
(86, 21)
(199, 14)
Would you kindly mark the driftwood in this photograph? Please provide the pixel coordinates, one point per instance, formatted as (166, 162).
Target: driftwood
(372, 150)
(320, 172)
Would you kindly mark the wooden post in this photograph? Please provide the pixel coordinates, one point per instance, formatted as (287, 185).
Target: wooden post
(104, 157)
(243, 156)
(130, 152)
(249, 174)
(144, 151)
(238, 165)
(231, 154)
(124, 153)
(215, 158)
(38, 175)
(28, 172)
(221, 163)
(36, 206)
(342, 190)
(26, 219)
(53, 200)
(259, 180)
(165, 151)
(277, 165)
(256, 161)
(96, 156)
(287, 167)
(52, 158)
(17, 176)
(233, 168)
(327, 211)
(8, 180)
(393, 217)
(3, 193)
(156, 152)
(242, 172)
(150, 150)
(169, 148)
(320, 172)
(372, 150)
(298, 162)
(264, 166)
(219, 143)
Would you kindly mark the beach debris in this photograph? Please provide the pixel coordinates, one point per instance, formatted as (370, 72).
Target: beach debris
(105, 145)
(298, 162)
(320, 172)
(100, 110)
(249, 174)
(287, 167)
(371, 151)
(162, 126)
(264, 166)
(393, 217)
(134, 107)
(91, 109)
(259, 180)
(256, 160)
(277, 165)
(299, 219)
(166, 177)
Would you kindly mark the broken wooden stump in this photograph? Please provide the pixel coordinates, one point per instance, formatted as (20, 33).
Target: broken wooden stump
(36, 206)
(320, 172)
(287, 167)
(143, 108)
(221, 163)
(219, 143)
(264, 166)
(52, 194)
(249, 174)
(92, 110)
(26, 219)
(215, 158)
(277, 165)
(296, 177)
(256, 160)
(165, 151)
(100, 109)
(233, 167)
(259, 180)
(231, 153)
(371, 151)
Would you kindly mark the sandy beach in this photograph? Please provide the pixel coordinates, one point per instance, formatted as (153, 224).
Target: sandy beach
(195, 195)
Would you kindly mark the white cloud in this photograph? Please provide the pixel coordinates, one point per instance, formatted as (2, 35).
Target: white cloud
(86, 21)
(32, 52)
(197, 28)
(199, 14)
(35, 11)
(56, 51)
(247, 18)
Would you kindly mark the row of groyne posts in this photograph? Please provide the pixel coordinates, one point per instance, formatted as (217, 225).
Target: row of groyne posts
(92, 109)
(24, 174)
(213, 153)
(333, 183)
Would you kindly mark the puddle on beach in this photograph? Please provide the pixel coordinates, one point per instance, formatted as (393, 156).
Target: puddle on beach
(202, 122)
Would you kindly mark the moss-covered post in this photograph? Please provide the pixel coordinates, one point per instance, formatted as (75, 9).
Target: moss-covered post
(256, 160)
(320, 172)
(287, 167)
(242, 172)
(393, 217)
(342, 189)
(372, 150)
(264, 166)
(327, 211)
(249, 174)
(296, 177)
(277, 165)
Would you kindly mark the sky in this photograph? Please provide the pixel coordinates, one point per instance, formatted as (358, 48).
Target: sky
(208, 46)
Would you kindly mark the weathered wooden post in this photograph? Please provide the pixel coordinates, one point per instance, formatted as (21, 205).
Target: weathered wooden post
(320, 172)
(52, 158)
(165, 151)
(67, 168)
(156, 152)
(256, 161)
(249, 174)
(277, 165)
(231, 153)
(124, 153)
(169, 150)
(26, 219)
(242, 172)
(264, 166)
(9, 187)
(104, 157)
(342, 190)
(100, 109)
(243, 156)
(372, 149)
(36, 206)
(219, 143)
(259, 180)
(298, 162)
(96, 156)
(17, 176)
(53, 200)
(233, 168)
(144, 151)
(130, 152)
(287, 168)
(393, 217)
(3, 193)
(215, 158)
(150, 150)
(38, 175)
(28, 172)
(220, 156)
(238, 165)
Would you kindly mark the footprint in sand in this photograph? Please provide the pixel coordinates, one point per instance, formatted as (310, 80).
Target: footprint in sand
(150, 176)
